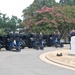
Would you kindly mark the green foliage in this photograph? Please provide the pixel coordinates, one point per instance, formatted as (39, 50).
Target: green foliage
(2, 32)
(8, 24)
(67, 2)
(46, 16)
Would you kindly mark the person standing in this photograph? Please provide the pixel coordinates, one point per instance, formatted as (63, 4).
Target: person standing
(17, 39)
(58, 39)
(53, 39)
(72, 33)
(35, 41)
(11, 40)
(41, 41)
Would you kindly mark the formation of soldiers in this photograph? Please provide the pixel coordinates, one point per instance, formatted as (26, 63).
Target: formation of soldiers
(35, 41)
(32, 40)
(39, 41)
(12, 39)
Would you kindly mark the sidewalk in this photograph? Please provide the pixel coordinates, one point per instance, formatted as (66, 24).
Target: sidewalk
(65, 60)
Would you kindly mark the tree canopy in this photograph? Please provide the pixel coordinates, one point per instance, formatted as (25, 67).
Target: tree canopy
(8, 24)
(48, 16)
(67, 2)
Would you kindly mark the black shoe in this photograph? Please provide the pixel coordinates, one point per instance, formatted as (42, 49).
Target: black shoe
(42, 48)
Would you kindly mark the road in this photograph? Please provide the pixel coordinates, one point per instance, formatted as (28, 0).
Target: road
(27, 62)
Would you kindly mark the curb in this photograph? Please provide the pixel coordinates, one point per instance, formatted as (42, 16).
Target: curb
(59, 62)
(44, 57)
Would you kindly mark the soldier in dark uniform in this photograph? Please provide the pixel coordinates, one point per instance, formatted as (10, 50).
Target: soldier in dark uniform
(17, 39)
(72, 33)
(58, 36)
(34, 39)
(29, 40)
(41, 41)
(11, 40)
(53, 39)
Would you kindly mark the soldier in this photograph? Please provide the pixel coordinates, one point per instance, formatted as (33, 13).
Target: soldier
(17, 39)
(35, 41)
(53, 39)
(72, 33)
(11, 40)
(41, 41)
(58, 39)
(30, 40)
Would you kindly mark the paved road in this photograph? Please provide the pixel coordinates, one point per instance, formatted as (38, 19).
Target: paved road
(27, 62)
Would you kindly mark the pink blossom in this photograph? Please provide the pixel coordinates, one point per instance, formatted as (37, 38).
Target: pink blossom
(39, 11)
(73, 20)
(44, 9)
(27, 26)
(58, 15)
(41, 21)
(53, 21)
(61, 20)
(50, 13)
(68, 21)
(65, 17)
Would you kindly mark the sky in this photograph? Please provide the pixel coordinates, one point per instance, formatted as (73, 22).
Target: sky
(14, 7)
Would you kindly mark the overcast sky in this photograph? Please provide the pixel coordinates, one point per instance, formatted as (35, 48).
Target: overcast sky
(14, 7)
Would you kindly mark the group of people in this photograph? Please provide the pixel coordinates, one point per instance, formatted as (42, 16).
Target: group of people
(55, 40)
(56, 37)
(35, 41)
(14, 37)
(38, 38)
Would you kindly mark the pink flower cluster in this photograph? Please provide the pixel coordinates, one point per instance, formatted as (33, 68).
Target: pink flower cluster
(54, 22)
(73, 20)
(58, 15)
(27, 26)
(41, 21)
(67, 21)
(44, 9)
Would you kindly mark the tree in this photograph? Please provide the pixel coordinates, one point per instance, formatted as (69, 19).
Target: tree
(13, 23)
(53, 19)
(29, 13)
(67, 2)
(8, 24)
(48, 19)
(36, 5)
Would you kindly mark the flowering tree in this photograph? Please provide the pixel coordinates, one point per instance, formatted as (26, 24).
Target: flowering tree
(50, 19)
(29, 12)
(67, 2)
(55, 18)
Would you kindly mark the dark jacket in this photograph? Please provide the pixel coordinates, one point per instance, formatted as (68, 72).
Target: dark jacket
(58, 36)
(72, 34)
(40, 37)
(34, 37)
(17, 37)
(53, 36)
(11, 37)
